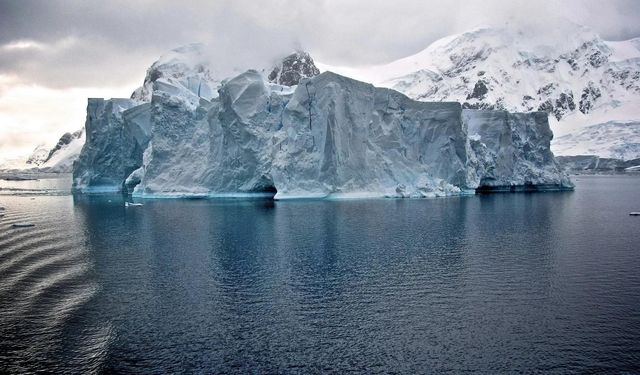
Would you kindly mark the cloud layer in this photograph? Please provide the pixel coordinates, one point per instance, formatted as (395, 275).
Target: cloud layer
(77, 43)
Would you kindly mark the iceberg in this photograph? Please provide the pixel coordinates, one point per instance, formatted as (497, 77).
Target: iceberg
(329, 136)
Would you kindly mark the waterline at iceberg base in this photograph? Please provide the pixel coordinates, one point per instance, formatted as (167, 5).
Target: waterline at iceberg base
(329, 136)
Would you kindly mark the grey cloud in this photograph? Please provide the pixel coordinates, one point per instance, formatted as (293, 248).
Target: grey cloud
(74, 62)
(114, 41)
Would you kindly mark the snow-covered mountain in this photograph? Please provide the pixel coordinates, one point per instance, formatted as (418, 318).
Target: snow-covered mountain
(573, 74)
(52, 158)
(64, 153)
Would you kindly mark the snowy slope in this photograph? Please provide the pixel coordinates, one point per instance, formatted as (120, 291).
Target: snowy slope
(55, 157)
(571, 73)
(64, 153)
(38, 156)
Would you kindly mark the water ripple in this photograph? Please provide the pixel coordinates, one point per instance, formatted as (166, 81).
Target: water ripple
(45, 280)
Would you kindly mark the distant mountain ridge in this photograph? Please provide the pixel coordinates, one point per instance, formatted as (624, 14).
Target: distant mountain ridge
(594, 164)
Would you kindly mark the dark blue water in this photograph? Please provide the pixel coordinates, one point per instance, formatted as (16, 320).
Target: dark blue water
(546, 282)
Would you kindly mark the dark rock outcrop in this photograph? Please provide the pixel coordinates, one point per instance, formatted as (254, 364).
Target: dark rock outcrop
(293, 68)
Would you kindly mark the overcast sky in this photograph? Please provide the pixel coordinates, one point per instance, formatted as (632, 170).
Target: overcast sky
(55, 54)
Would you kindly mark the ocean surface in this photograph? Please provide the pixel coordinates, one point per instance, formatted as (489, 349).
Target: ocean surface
(504, 283)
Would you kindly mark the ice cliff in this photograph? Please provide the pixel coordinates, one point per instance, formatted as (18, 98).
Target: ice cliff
(327, 136)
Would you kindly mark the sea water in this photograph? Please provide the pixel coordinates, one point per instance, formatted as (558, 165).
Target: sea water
(541, 282)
